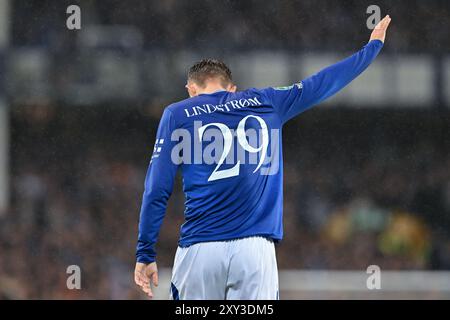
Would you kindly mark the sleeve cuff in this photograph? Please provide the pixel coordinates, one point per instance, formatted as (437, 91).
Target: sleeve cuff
(377, 41)
(145, 259)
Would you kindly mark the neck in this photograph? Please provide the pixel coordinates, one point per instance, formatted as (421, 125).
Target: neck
(211, 88)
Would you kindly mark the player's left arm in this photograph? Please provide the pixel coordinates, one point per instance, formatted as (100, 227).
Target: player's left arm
(159, 183)
(291, 101)
(332, 79)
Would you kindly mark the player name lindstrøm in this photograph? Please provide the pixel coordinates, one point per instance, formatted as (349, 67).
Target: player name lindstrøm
(230, 105)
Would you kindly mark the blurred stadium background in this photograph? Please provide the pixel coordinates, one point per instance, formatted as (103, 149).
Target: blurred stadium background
(367, 174)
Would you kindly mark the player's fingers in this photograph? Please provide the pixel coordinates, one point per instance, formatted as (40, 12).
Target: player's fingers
(380, 25)
(388, 21)
(137, 279)
(142, 279)
(147, 290)
(155, 278)
(385, 22)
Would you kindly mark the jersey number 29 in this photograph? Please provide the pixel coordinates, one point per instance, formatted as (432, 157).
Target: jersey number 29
(242, 139)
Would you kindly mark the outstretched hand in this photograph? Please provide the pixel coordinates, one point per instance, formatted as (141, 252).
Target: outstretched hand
(379, 33)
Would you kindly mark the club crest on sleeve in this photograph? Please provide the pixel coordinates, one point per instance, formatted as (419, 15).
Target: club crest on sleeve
(298, 85)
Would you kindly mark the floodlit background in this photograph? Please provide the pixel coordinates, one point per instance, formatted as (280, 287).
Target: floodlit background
(367, 174)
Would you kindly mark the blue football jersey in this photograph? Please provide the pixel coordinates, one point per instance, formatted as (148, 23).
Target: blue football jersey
(228, 149)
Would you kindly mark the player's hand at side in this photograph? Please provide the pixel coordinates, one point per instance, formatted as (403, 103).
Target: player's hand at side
(144, 274)
(379, 33)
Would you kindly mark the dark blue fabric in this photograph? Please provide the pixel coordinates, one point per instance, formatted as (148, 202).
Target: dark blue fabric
(174, 290)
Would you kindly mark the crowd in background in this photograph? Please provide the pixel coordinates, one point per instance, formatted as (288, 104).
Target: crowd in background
(234, 24)
(361, 188)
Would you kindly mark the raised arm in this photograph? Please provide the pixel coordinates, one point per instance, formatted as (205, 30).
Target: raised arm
(330, 80)
(293, 100)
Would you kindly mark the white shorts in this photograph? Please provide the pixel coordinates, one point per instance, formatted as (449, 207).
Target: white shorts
(243, 269)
